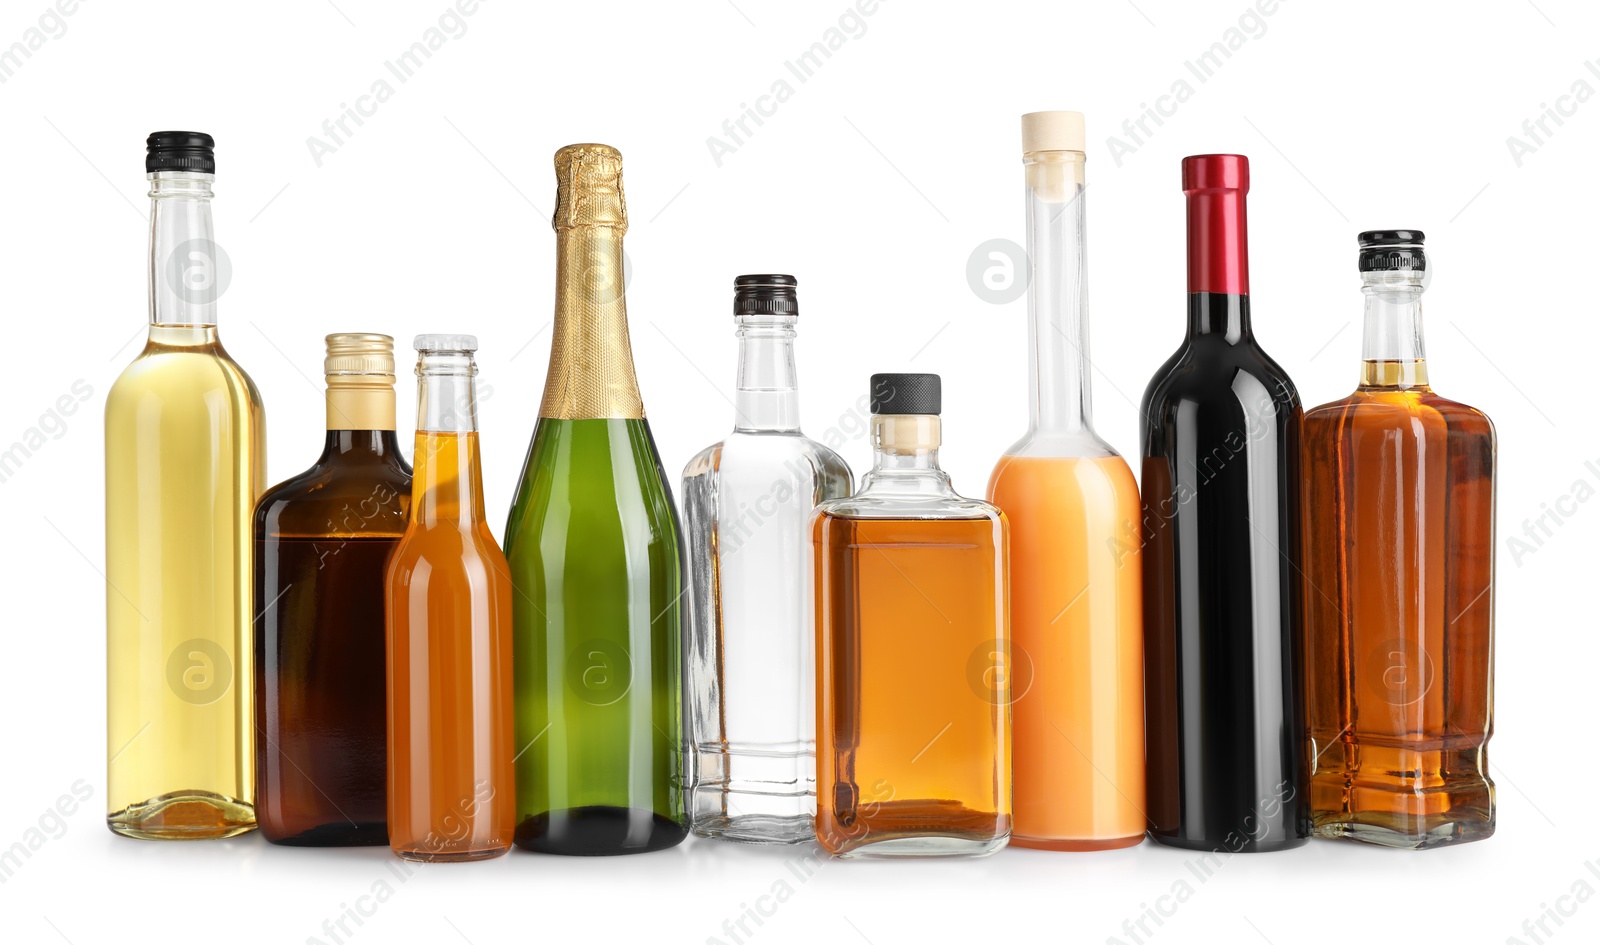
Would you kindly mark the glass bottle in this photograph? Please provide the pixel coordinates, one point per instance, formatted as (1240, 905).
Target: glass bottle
(1077, 672)
(448, 602)
(593, 544)
(1400, 572)
(752, 653)
(322, 540)
(913, 713)
(1221, 531)
(185, 460)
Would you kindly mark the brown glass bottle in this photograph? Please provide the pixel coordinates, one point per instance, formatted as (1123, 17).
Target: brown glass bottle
(322, 539)
(1400, 612)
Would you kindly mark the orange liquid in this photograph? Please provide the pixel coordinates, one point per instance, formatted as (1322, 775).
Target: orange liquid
(1078, 722)
(911, 746)
(451, 793)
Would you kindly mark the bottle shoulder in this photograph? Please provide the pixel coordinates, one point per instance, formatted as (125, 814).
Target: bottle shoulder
(788, 452)
(1405, 411)
(1208, 375)
(910, 506)
(179, 376)
(336, 498)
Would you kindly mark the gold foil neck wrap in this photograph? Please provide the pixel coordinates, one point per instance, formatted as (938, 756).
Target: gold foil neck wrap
(360, 372)
(591, 361)
(589, 188)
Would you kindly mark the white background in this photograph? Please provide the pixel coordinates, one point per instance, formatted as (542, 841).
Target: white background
(873, 183)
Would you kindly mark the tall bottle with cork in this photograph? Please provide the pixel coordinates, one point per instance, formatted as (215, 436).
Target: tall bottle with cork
(1077, 641)
(594, 553)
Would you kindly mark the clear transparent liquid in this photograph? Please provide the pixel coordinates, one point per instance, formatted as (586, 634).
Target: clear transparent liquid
(747, 501)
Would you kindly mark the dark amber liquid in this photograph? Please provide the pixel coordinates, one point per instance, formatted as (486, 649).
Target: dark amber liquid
(322, 540)
(911, 738)
(1400, 543)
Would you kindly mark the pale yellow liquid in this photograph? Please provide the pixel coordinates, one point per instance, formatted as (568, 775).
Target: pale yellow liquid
(185, 463)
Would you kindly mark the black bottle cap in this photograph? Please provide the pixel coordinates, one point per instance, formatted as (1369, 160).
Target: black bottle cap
(767, 294)
(180, 151)
(905, 393)
(1391, 251)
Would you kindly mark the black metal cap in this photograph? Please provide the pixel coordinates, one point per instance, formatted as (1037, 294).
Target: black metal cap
(1391, 251)
(180, 151)
(768, 294)
(905, 393)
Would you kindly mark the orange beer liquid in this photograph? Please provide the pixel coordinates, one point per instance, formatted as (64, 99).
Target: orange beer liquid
(1077, 651)
(451, 793)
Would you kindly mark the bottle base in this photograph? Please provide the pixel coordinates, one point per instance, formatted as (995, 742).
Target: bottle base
(756, 828)
(599, 831)
(341, 834)
(184, 815)
(1230, 844)
(1402, 833)
(903, 847)
(1075, 846)
(451, 856)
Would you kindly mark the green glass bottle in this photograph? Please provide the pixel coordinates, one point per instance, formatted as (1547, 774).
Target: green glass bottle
(595, 560)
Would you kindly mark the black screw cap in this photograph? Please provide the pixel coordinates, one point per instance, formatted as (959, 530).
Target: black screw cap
(906, 393)
(180, 151)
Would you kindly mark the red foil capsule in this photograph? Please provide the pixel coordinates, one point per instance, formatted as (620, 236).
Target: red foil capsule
(1215, 185)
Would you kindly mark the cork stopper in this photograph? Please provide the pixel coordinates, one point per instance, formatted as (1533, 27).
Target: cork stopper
(1052, 131)
(360, 374)
(589, 188)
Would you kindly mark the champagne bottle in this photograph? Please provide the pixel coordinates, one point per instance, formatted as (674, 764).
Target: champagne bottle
(185, 461)
(593, 546)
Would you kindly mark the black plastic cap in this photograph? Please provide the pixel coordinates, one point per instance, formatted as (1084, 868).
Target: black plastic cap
(906, 393)
(1391, 251)
(766, 294)
(180, 151)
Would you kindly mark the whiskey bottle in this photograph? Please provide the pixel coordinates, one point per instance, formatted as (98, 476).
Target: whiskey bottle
(1399, 527)
(185, 461)
(752, 652)
(322, 540)
(913, 714)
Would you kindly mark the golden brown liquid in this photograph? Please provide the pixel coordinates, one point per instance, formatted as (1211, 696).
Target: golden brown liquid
(912, 733)
(451, 792)
(1399, 629)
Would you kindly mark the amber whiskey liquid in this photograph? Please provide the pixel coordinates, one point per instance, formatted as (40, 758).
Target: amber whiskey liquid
(1399, 567)
(913, 702)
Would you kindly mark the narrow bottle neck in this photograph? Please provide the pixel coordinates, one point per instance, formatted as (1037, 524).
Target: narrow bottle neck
(591, 360)
(184, 274)
(768, 396)
(1391, 347)
(1058, 297)
(905, 456)
(360, 402)
(447, 481)
(1224, 316)
(1219, 252)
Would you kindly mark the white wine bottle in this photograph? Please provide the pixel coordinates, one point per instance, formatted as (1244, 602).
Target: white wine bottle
(185, 463)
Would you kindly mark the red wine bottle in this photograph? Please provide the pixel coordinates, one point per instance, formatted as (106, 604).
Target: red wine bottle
(1221, 516)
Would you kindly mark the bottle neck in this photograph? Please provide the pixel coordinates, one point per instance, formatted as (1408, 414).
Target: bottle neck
(1058, 298)
(591, 361)
(768, 396)
(905, 456)
(1391, 345)
(447, 482)
(1219, 257)
(361, 446)
(1225, 316)
(184, 275)
(360, 402)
